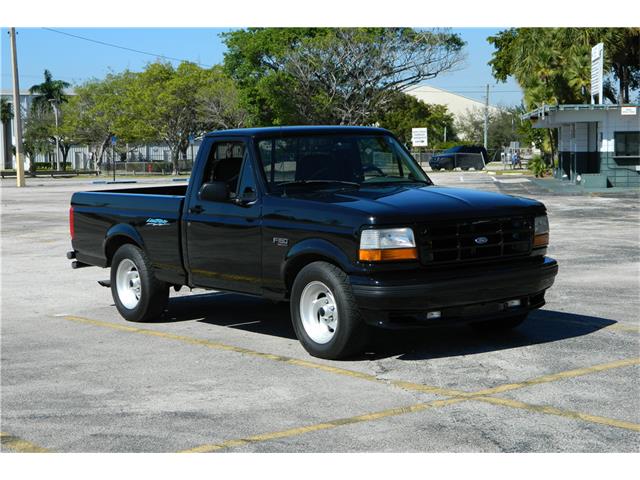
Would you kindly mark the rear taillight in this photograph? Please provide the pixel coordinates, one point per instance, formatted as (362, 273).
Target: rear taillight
(71, 229)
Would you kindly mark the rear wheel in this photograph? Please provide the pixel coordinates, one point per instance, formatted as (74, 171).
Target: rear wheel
(139, 296)
(498, 324)
(324, 313)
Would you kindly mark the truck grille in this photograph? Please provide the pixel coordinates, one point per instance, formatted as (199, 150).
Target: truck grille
(463, 241)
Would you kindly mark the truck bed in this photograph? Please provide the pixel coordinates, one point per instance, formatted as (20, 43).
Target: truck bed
(149, 215)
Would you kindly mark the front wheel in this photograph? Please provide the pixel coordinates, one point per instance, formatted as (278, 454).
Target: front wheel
(500, 324)
(324, 313)
(139, 296)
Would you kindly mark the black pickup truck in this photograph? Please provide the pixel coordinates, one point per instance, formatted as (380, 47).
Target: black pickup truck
(340, 221)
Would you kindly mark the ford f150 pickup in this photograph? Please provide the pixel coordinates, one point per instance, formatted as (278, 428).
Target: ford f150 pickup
(339, 221)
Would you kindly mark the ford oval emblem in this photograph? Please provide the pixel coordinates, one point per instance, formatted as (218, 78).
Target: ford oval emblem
(481, 240)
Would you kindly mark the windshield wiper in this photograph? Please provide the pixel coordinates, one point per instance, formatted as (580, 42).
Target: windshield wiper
(307, 182)
(400, 181)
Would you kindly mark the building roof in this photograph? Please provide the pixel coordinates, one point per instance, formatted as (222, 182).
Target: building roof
(457, 104)
(541, 112)
(554, 116)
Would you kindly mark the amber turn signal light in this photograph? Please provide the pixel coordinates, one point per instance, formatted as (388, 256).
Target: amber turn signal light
(388, 254)
(541, 240)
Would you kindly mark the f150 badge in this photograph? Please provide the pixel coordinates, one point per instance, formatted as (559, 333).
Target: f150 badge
(280, 242)
(157, 222)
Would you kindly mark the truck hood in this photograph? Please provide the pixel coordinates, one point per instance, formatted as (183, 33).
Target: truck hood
(397, 204)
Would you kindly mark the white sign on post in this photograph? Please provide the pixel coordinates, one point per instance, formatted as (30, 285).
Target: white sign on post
(419, 137)
(597, 70)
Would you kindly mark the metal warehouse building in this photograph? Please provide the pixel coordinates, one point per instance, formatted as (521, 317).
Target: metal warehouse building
(599, 145)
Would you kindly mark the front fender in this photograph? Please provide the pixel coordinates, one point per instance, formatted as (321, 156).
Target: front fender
(315, 247)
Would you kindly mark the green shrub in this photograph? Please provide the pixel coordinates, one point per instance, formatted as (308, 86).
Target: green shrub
(160, 166)
(537, 166)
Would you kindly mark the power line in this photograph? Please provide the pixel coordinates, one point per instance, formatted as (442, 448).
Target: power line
(100, 42)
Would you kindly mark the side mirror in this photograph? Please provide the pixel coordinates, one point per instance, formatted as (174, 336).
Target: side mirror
(217, 191)
(246, 198)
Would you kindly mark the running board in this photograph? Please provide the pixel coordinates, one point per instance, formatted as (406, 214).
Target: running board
(105, 283)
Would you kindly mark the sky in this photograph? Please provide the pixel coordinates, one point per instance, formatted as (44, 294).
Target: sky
(76, 60)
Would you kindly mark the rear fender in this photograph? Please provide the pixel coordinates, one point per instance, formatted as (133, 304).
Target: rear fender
(119, 234)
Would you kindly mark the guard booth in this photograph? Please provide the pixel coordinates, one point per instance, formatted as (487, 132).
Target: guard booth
(598, 145)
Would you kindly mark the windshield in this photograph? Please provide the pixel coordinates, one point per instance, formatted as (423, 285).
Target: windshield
(338, 161)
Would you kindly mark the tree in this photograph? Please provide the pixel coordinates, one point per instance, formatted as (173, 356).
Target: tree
(552, 65)
(405, 112)
(504, 127)
(175, 104)
(48, 92)
(332, 75)
(37, 137)
(6, 115)
(97, 112)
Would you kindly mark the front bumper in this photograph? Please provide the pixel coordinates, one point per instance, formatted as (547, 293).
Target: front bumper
(396, 300)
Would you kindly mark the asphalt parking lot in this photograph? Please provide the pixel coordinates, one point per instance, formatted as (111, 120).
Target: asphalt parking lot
(224, 373)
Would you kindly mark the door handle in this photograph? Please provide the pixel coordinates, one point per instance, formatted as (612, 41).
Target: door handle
(196, 209)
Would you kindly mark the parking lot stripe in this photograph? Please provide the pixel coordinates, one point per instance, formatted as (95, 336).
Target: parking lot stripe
(549, 410)
(19, 445)
(363, 376)
(278, 358)
(559, 376)
(455, 396)
(293, 432)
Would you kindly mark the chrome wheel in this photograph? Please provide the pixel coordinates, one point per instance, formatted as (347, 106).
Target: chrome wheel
(128, 284)
(318, 312)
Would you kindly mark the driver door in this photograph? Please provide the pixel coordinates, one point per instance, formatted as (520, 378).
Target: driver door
(223, 237)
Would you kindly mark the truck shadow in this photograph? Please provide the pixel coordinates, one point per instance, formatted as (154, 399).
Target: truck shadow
(263, 317)
(542, 326)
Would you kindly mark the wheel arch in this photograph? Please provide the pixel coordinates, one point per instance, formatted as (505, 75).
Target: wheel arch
(309, 251)
(117, 236)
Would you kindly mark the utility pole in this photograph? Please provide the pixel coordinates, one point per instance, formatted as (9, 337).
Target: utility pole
(445, 134)
(17, 118)
(486, 118)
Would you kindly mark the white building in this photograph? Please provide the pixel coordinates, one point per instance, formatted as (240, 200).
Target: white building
(6, 131)
(598, 145)
(458, 105)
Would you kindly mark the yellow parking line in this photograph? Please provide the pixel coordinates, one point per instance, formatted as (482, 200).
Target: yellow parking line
(505, 402)
(293, 432)
(19, 445)
(549, 410)
(455, 396)
(559, 376)
(278, 358)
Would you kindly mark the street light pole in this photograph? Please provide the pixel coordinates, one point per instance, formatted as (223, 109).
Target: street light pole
(55, 114)
(486, 119)
(17, 114)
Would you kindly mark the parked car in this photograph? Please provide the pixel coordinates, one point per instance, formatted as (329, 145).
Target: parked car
(463, 156)
(339, 221)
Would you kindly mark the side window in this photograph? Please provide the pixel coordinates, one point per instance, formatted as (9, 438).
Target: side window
(224, 163)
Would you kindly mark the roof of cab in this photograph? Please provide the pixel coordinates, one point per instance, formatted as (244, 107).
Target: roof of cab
(297, 130)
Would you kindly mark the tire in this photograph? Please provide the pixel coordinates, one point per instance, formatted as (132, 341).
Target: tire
(500, 324)
(323, 331)
(130, 266)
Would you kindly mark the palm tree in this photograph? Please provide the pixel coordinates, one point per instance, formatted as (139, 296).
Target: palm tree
(48, 92)
(49, 95)
(6, 115)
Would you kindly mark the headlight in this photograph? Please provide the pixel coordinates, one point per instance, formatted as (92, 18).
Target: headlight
(378, 245)
(541, 232)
